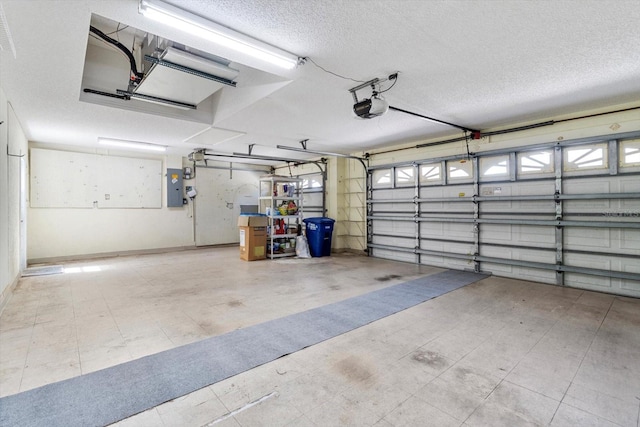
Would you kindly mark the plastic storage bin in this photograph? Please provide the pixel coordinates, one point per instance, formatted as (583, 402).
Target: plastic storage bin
(319, 232)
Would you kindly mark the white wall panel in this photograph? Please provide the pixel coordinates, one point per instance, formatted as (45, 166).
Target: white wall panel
(496, 190)
(578, 238)
(449, 247)
(400, 228)
(432, 230)
(594, 283)
(64, 179)
(629, 287)
(432, 192)
(587, 260)
(444, 262)
(504, 270)
(630, 239)
(458, 231)
(535, 235)
(394, 255)
(522, 273)
(217, 205)
(494, 233)
(408, 242)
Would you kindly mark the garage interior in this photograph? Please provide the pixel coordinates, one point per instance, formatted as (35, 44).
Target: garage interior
(496, 138)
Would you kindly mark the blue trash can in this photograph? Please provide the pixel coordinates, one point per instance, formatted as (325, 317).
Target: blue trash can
(319, 232)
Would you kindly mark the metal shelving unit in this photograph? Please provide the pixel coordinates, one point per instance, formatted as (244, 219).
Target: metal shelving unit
(272, 195)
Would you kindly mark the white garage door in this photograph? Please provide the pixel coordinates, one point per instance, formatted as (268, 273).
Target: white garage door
(565, 213)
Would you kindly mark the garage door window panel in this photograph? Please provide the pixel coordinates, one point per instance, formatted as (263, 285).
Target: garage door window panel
(382, 178)
(459, 171)
(405, 176)
(585, 157)
(494, 168)
(630, 155)
(430, 174)
(535, 163)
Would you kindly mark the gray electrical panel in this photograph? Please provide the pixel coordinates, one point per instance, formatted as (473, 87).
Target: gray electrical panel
(174, 188)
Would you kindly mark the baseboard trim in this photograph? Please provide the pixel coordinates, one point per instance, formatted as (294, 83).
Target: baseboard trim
(7, 293)
(349, 251)
(82, 257)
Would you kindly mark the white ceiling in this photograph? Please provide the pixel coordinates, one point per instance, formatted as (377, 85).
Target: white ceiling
(480, 64)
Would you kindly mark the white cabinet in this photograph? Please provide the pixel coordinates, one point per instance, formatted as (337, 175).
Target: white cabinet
(281, 201)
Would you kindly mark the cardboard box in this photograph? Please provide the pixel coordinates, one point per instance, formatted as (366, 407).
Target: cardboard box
(253, 243)
(252, 221)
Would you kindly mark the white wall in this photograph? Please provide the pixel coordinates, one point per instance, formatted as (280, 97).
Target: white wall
(12, 141)
(58, 233)
(55, 233)
(221, 193)
(5, 279)
(350, 232)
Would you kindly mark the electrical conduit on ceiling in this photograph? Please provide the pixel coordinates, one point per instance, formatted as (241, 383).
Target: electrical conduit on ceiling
(136, 76)
(504, 131)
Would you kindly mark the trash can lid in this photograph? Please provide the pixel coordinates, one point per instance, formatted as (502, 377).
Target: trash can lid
(319, 220)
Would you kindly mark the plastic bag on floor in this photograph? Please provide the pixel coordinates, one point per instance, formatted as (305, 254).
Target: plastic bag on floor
(302, 247)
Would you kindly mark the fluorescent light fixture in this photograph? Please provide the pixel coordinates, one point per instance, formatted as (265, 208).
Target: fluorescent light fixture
(193, 24)
(131, 144)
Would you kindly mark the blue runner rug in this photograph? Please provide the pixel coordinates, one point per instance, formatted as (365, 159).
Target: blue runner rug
(113, 394)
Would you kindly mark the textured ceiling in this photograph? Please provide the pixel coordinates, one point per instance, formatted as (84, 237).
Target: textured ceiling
(479, 64)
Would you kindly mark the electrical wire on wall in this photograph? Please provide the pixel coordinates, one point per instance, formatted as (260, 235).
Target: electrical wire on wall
(502, 132)
(393, 77)
(331, 72)
(377, 89)
(15, 155)
(466, 142)
(136, 76)
(117, 30)
(117, 48)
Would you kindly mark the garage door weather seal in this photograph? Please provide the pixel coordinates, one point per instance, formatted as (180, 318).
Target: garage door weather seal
(113, 394)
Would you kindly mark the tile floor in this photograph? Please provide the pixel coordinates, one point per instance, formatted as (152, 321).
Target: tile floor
(499, 352)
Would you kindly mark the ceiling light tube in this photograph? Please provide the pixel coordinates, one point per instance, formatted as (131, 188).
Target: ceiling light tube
(131, 144)
(193, 24)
